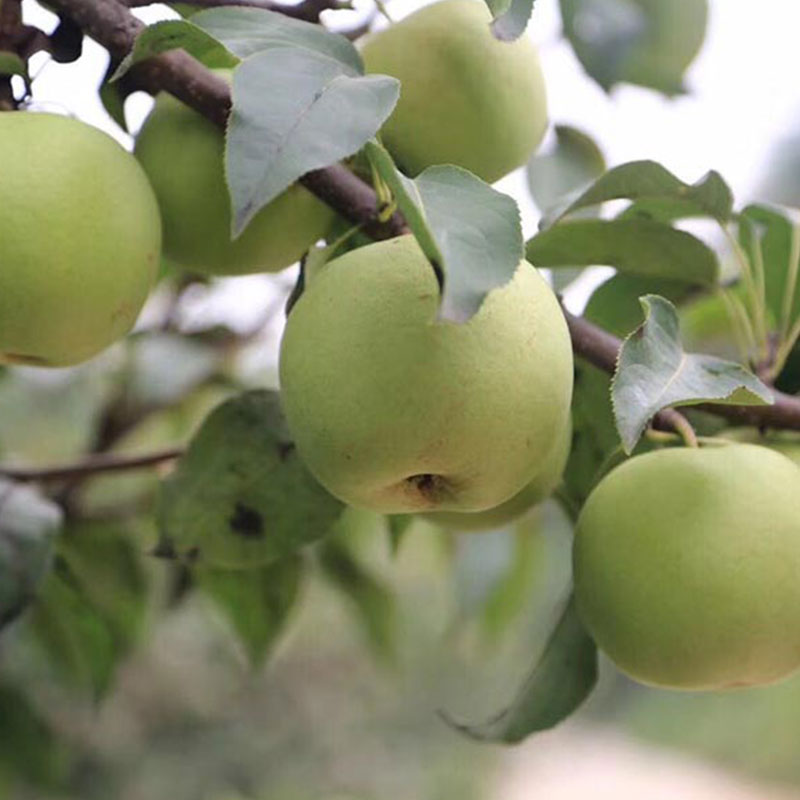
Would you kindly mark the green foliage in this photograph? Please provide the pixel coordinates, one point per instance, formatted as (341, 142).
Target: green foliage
(562, 678)
(470, 233)
(256, 602)
(645, 42)
(241, 497)
(653, 372)
(90, 612)
(510, 17)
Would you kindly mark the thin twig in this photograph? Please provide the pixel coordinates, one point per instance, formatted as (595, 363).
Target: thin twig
(103, 462)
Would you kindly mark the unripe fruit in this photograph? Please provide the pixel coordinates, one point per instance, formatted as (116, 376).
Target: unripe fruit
(396, 412)
(541, 487)
(686, 566)
(183, 155)
(466, 98)
(80, 240)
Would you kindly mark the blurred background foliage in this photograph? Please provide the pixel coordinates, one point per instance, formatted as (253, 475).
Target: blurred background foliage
(131, 677)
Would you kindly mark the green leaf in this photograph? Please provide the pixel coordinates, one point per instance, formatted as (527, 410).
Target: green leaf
(105, 561)
(241, 497)
(246, 31)
(406, 194)
(317, 114)
(29, 748)
(562, 678)
(574, 163)
(479, 233)
(635, 246)
(76, 641)
(28, 526)
(649, 182)
(470, 232)
(113, 96)
(171, 35)
(509, 595)
(91, 610)
(257, 602)
(777, 239)
(614, 304)
(399, 525)
(615, 307)
(653, 372)
(636, 41)
(510, 18)
(370, 600)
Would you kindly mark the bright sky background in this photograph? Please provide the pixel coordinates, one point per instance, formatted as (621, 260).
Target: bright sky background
(745, 95)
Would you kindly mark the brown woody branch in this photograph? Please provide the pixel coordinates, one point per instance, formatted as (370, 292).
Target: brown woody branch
(113, 26)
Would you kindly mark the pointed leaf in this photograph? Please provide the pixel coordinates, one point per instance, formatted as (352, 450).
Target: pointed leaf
(246, 31)
(563, 677)
(240, 496)
(648, 180)
(479, 233)
(510, 18)
(29, 747)
(574, 163)
(654, 372)
(257, 602)
(75, 640)
(409, 201)
(28, 526)
(294, 111)
(634, 246)
(470, 232)
(90, 612)
(173, 34)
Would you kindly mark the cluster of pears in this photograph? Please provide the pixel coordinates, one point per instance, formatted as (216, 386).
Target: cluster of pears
(686, 564)
(467, 99)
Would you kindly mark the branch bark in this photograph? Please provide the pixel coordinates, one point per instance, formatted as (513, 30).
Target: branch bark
(113, 26)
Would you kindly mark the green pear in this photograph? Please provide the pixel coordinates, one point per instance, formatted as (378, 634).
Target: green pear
(466, 98)
(397, 412)
(686, 565)
(541, 487)
(80, 240)
(183, 155)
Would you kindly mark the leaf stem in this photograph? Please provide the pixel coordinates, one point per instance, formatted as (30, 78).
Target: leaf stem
(790, 285)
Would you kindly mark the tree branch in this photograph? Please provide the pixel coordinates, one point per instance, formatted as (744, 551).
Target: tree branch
(600, 348)
(104, 462)
(113, 26)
